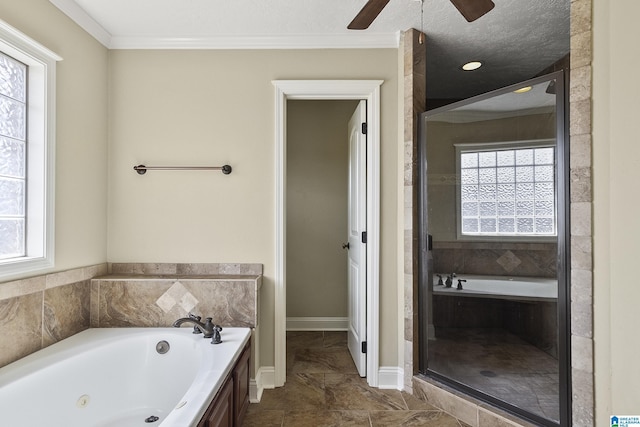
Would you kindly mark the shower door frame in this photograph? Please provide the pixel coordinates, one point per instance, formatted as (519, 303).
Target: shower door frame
(563, 254)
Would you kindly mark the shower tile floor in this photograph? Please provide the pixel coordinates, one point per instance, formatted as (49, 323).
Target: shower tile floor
(501, 365)
(323, 388)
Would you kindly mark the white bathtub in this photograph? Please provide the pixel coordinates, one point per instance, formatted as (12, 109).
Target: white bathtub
(115, 377)
(501, 287)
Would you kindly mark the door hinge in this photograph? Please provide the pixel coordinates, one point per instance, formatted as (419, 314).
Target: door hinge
(364, 128)
(364, 347)
(364, 237)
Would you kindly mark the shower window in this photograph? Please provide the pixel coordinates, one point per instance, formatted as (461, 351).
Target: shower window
(506, 189)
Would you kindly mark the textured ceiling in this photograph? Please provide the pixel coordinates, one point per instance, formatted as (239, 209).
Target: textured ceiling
(516, 40)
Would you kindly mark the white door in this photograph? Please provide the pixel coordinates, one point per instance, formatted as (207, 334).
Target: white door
(357, 249)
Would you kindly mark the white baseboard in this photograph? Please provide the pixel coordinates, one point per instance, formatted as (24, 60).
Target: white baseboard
(317, 323)
(391, 377)
(265, 379)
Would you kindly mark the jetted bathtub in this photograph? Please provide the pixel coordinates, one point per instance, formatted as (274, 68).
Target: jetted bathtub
(119, 377)
(500, 287)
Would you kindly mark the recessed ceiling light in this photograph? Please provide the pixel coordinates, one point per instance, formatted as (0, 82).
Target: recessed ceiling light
(473, 65)
(523, 89)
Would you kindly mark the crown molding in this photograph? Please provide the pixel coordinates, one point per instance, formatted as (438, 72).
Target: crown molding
(296, 41)
(84, 20)
(354, 40)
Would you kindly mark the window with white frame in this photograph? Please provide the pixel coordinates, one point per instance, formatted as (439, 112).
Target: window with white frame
(27, 102)
(506, 189)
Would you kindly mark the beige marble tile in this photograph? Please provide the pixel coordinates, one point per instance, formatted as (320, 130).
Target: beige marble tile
(581, 49)
(18, 288)
(461, 408)
(350, 392)
(412, 418)
(416, 404)
(580, 151)
(326, 419)
(581, 219)
(143, 268)
(580, 117)
(302, 392)
(580, 16)
(322, 360)
(580, 84)
(230, 303)
(581, 253)
(20, 327)
(66, 311)
(64, 277)
(263, 418)
(335, 339)
(582, 395)
(580, 184)
(127, 304)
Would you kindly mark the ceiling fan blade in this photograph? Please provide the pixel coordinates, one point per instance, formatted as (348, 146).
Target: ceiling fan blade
(367, 15)
(473, 9)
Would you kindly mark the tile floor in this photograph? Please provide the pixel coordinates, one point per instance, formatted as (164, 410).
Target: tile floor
(499, 364)
(323, 389)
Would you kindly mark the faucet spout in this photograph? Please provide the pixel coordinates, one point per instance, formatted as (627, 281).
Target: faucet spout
(207, 328)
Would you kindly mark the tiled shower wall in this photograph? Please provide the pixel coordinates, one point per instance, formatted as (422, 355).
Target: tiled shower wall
(496, 259)
(39, 311)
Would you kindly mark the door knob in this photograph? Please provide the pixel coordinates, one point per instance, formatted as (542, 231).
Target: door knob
(345, 245)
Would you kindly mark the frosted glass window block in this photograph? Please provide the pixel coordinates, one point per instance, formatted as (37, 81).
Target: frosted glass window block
(524, 174)
(544, 208)
(524, 225)
(470, 209)
(469, 193)
(524, 157)
(488, 225)
(545, 156)
(506, 158)
(12, 78)
(505, 174)
(506, 225)
(544, 173)
(524, 191)
(469, 225)
(12, 118)
(487, 175)
(487, 159)
(11, 197)
(506, 192)
(469, 176)
(506, 209)
(487, 192)
(488, 208)
(469, 160)
(12, 158)
(545, 191)
(11, 238)
(524, 208)
(544, 225)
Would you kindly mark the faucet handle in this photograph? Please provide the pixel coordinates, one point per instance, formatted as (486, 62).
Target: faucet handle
(440, 282)
(216, 335)
(196, 330)
(460, 283)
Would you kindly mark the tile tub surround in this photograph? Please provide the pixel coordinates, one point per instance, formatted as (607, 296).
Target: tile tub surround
(157, 294)
(39, 311)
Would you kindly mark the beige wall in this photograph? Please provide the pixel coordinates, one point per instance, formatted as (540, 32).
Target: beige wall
(317, 191)
(616, 172)
(81, 125)
(217, 107)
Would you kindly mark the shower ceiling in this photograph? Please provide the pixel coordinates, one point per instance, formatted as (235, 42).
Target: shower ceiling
(515, 40)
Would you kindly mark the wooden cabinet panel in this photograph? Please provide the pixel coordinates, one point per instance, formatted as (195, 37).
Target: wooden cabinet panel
(241, 387)
(220, 413)
(230, 404)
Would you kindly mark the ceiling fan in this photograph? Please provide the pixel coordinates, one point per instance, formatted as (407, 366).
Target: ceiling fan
(470, 9)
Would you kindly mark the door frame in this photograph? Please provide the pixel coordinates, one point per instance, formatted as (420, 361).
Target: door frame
(368, 90)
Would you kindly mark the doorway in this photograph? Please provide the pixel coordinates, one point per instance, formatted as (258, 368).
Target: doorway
(368, 90)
